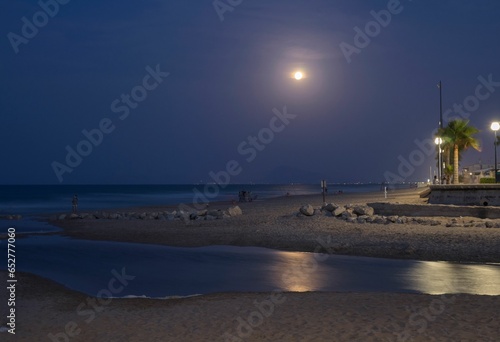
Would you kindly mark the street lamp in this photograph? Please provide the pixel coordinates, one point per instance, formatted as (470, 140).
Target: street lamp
(495, 126)
(438, 142)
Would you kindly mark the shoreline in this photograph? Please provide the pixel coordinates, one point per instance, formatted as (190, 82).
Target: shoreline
(273, 223)
(330, 197)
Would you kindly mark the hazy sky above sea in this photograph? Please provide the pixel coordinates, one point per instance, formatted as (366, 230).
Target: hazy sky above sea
(353, 118)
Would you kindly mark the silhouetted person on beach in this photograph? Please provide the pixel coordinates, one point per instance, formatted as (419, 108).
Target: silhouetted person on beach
(74, 203)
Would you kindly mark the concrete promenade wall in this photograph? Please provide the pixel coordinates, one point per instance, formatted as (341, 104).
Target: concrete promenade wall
(466, 194)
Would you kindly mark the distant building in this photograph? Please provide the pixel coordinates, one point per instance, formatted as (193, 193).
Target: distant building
(472, 174)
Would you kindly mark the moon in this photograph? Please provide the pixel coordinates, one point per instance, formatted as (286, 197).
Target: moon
(298, 75)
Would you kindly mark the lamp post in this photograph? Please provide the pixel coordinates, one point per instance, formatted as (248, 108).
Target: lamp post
(440, 86)
(495, 126)
(438, 142)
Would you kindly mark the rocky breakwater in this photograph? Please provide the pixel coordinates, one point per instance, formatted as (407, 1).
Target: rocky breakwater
(10, 217)
(176, 215)
(362, 214)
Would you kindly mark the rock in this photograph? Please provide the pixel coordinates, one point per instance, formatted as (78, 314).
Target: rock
(234, 211)
(62, 217)
(362, 218)
(338, 211)
(216, 213)
(363, 210)
(348, 214)
(317, 212)
(183, 215)
(489, 224)
(193, 216)
(307, 210)
(9, 217)
(330, 207)
(380, 220)
(202, 212)
(73, 216)
(113, 216)
(393, 219)
(351, 219)
(210, 217)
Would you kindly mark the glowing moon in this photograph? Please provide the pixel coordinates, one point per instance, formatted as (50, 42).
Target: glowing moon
(298, 75)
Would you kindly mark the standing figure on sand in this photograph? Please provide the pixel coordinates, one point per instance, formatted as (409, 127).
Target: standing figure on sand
(74, 203)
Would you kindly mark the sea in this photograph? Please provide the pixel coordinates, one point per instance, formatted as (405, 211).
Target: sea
(32, 200)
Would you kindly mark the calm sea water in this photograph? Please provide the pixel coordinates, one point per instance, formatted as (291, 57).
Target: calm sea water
(88, 266)
(36, 199)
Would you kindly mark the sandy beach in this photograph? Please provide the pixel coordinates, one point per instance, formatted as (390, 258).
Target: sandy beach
(50, 312)
(274, 224)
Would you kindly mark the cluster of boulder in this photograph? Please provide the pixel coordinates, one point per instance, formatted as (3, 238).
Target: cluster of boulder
(460, 222)
(365, 214)
(10, 217)
(349, 213)
(176, 215)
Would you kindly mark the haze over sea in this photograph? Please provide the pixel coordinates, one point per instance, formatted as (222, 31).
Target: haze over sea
(38, 199)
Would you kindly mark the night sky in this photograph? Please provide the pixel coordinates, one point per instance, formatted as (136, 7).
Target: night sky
(174, 91)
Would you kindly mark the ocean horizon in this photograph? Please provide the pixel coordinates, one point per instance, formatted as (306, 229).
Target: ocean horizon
(40, 199)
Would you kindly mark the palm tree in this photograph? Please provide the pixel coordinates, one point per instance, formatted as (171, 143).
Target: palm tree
(459, 136)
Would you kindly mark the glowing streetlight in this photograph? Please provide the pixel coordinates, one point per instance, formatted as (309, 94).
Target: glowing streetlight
(298, 75)
(495, 126)
(438, 142)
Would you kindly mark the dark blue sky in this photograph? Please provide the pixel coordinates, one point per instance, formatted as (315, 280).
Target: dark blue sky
(351, 121)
